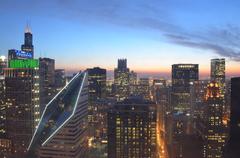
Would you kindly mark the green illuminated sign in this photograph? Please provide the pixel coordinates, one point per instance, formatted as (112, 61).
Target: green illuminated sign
(25, 63)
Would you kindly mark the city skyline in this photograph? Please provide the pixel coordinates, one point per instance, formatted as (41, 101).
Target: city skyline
(151, 35)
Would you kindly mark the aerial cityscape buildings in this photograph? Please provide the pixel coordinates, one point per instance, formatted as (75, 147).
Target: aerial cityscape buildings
(93, 112)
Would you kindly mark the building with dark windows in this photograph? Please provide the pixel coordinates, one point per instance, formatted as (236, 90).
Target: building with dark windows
(132, 129)
(218, 73)
(183, 77)
(97, 83)
(62, 130)
(214, 132)
(60, 79)
(3, 65)
(28, 42)
(2, 109)
(232, 147)
(47, 80)
(121, 80)
(97, 90)
(22, 103)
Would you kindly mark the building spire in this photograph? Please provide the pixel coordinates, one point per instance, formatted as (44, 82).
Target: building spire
(27, 28)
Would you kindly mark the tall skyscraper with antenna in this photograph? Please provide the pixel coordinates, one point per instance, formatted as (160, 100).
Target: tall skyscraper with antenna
(28, 41)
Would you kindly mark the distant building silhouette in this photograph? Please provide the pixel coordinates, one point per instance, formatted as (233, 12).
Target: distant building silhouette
(121, 80)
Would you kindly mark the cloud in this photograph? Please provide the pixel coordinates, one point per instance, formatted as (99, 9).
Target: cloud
(224, 42)
(154, 15)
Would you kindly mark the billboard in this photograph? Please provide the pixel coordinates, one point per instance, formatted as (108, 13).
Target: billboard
(24, 63)
(23, 54)
(18, 54)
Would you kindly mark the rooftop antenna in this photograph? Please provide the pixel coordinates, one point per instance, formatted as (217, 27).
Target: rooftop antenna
(28, 28)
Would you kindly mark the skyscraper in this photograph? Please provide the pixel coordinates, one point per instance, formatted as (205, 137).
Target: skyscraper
(28, 41)
(133, 78)
(22, 102)
(62, 130)
(97, 90)
(183, 77)
(214, 130)
(97, 83)
(47, 80)
(132, 129)
(121, 80)
(218, 73)
(144, 88)
(232, 147)
(60, 79)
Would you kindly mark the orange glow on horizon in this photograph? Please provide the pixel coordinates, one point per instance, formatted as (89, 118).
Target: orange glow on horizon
(231, 70)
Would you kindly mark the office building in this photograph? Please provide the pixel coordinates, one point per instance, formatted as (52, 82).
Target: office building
(183, 77)
(133, 78)
(132, 129)
(60, 79)
(121, 80)
(62, 130)
(28, 42)
(97, 83)
(97, 90)
(214, 130)
(143, 89)
(22, 103)
(232, 147)
(47, 81)
(218, 73)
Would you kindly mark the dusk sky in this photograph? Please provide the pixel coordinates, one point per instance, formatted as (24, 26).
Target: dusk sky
(151, 34)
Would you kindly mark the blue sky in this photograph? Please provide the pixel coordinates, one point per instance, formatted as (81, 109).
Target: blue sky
(152, 34)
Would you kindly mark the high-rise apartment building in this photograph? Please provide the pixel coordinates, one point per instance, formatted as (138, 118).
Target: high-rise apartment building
(132, 129)
(62, 130)
(121, 80)
(22, 102)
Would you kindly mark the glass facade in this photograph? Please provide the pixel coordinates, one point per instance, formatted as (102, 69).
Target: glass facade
(58, 112)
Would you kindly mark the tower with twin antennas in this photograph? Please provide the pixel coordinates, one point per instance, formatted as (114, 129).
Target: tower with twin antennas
(28, 41)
